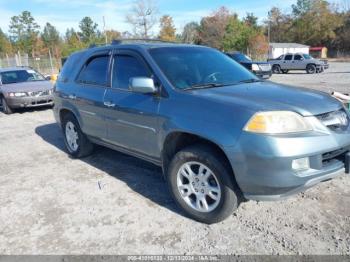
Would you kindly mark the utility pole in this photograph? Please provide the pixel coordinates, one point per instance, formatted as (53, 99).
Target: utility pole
(104, 29)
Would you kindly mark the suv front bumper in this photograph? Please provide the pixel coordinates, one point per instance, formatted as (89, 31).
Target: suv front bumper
(263, 164)
(29, 101)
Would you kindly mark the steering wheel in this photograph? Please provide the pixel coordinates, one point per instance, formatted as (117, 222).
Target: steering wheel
(212, 77)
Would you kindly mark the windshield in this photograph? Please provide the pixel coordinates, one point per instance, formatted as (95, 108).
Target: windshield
(239, 57)
(20, 76)
(188, 68)
(308, 56)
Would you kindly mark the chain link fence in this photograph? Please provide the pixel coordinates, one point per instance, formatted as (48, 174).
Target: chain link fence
(45, 64)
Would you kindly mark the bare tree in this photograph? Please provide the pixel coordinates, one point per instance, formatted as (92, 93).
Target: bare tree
(143, 17)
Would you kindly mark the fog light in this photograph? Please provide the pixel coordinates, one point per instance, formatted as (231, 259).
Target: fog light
(301, 164)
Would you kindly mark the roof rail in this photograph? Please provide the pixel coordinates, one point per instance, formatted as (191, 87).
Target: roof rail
(125, 40)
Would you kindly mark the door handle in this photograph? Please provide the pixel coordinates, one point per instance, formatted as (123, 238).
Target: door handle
(73, 97)
(109, 104)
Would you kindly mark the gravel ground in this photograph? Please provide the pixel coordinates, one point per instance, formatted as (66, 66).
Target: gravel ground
(111, 203)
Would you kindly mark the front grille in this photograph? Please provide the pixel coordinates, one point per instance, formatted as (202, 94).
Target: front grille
(265, 67)
(39, 93)
(336, 120)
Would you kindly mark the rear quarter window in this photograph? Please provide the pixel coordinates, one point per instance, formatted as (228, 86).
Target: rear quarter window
(68, 67)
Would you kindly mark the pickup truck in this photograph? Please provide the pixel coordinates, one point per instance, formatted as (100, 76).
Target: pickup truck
(298, 61)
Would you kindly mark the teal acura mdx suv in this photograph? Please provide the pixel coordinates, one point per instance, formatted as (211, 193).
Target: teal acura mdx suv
(221, 134)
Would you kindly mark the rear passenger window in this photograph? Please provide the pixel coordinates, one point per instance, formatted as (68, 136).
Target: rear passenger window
(288, 57)
(126, 67)
(95, 71)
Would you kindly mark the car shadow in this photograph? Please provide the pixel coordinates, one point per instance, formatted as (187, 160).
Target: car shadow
(27, 110)
(142, 177)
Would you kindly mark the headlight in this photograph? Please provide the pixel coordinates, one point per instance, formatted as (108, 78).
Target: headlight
(17, 94)
(277, 122)
(255, 67)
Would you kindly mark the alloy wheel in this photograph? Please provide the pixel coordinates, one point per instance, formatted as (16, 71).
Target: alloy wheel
(72, 136)
(198, 187)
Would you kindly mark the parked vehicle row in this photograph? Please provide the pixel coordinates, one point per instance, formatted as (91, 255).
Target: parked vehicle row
(23, 87)
(220, 133)
(298, 61)
(260, 69)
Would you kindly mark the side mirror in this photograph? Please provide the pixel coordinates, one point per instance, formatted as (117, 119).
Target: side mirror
(143, 85)
(48, 77)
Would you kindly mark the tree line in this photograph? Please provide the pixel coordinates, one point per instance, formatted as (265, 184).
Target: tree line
(311, 22)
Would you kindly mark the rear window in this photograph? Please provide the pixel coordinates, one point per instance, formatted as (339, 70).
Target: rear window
(69, 64)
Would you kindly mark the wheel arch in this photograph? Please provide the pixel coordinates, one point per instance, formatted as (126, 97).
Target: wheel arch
(65, 111)
(178, 140)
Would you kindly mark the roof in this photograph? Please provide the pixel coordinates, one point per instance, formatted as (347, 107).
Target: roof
(17, 68)
(288, 45)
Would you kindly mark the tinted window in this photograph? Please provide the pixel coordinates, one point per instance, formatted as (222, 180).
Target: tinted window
(298, 57)
(95, 71)
(288, 57)
(69, 64)
(20, 76)
(239, 57)
(126, 67)
(194, 67)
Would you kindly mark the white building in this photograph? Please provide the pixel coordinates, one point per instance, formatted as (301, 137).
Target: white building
(278, 49)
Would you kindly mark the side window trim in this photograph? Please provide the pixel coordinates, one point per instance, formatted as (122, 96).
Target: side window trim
(92, 56)
(127, 53)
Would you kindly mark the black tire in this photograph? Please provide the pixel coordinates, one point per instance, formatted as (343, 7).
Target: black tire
(230, 193)
(311, 69)
(84, 146)
(5, 107)
(276, 69)
(285, 71)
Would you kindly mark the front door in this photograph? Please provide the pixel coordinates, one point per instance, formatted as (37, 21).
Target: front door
(132, 118)
(299, 63)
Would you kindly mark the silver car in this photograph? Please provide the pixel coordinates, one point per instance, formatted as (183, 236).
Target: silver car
(298, 61)
(23, 87)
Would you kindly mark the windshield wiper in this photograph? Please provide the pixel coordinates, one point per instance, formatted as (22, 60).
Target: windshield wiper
(202, 86)
(251, 80)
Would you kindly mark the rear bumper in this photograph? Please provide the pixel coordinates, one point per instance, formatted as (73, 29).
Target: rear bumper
(263, 164)
(25, 102)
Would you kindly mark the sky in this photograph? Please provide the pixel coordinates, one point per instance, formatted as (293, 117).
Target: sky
(67, 13)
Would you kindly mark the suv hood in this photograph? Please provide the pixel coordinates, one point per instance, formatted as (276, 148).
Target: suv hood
(27, 87)
(265, 96)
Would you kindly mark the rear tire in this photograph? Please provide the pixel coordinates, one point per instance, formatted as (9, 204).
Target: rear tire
(216, 186)
(311, 69)
(285, 71)
(5, 107)
(77, 143)
(276, 69)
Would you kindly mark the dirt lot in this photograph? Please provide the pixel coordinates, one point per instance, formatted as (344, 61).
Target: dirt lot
(111, 203)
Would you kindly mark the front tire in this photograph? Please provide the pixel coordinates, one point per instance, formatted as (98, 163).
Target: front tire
(311, 69)
(77, 144)
(285, 71)
(276, 69)
(202, 185)
(5, 107)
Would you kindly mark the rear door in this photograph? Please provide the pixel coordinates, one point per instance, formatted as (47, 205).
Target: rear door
(92, 83)
(132, 118)
(287, 62)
